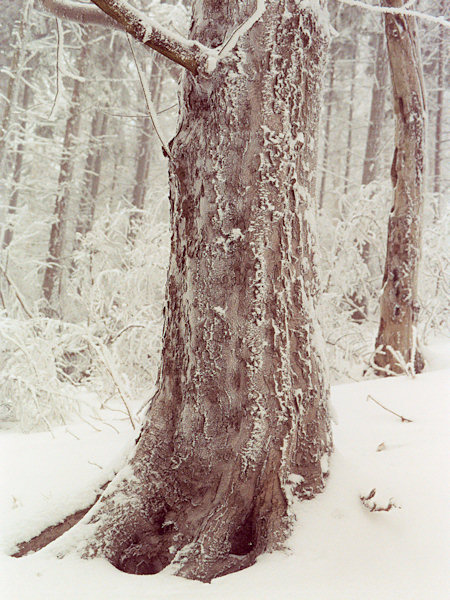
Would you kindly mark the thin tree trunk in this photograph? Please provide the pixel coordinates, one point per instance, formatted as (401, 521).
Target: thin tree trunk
(92, 173)
(439, 120)
(239, 421)
(14, 87)
(8, 235)
(397, 335)
(145, 150)
(373, 143)
(326, 140)
(371, 158)
(348, 155)
(56, 263)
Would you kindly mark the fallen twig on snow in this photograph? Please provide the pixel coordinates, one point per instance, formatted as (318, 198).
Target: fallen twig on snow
(404, 419)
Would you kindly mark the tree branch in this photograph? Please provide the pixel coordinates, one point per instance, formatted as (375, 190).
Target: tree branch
(440, 20)
(86, 14)
(118, 14)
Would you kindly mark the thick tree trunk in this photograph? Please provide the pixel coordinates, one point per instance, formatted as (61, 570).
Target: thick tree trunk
(396, 342)
(239, 422)
(58, 243)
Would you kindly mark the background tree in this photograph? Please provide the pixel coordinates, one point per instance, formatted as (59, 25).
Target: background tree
(396, 341)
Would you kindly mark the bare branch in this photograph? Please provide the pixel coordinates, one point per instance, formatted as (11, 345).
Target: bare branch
(190, 54)
(59, 56)
(148, 99)
(441, 20)
(404, 419)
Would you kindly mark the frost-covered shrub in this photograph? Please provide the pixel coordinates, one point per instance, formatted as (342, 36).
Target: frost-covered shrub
(33, 387)
(110, 342)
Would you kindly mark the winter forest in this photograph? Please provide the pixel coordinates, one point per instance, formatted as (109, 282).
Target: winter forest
(224, 299)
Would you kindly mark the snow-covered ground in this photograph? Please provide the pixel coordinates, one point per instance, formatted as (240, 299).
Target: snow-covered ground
(339, 549)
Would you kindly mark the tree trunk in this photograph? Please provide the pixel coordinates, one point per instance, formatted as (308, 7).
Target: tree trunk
(8, 235)
(56, 262)
(92, 173)
(348, 156)
(145, 149)
(371, 160)
(239, 421)
(396, 342)
(373, 143)
(439, 119)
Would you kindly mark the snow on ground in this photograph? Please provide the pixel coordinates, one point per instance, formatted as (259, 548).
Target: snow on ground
(339, 549)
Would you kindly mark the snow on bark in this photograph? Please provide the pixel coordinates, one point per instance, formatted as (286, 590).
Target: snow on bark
(240, 420)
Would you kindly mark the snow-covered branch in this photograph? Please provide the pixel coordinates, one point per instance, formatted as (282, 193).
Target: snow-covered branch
(441, 20)
(120, 14)
(229, 44)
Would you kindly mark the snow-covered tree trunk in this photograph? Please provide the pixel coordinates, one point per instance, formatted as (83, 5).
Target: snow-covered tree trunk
(326, 134)
(239, 422)
(396, 342)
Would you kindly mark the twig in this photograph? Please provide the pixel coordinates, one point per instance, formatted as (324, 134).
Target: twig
(59, 44)
(116, 337)
(16, 292)
(91, 462)
(102, 352)
(440, 20)
(404, 419)
(148, 100)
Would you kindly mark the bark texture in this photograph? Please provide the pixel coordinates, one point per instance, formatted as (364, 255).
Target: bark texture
(396, 342)
(239, 423)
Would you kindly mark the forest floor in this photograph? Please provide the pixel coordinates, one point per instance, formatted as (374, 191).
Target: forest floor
(339, 549)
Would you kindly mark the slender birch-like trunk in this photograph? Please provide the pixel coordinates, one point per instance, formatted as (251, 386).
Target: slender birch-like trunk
(396, 343)
(239, 421)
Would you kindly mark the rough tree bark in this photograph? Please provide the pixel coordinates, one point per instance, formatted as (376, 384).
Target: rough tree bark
(326, 135)
(239, 422)
(396, 341)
